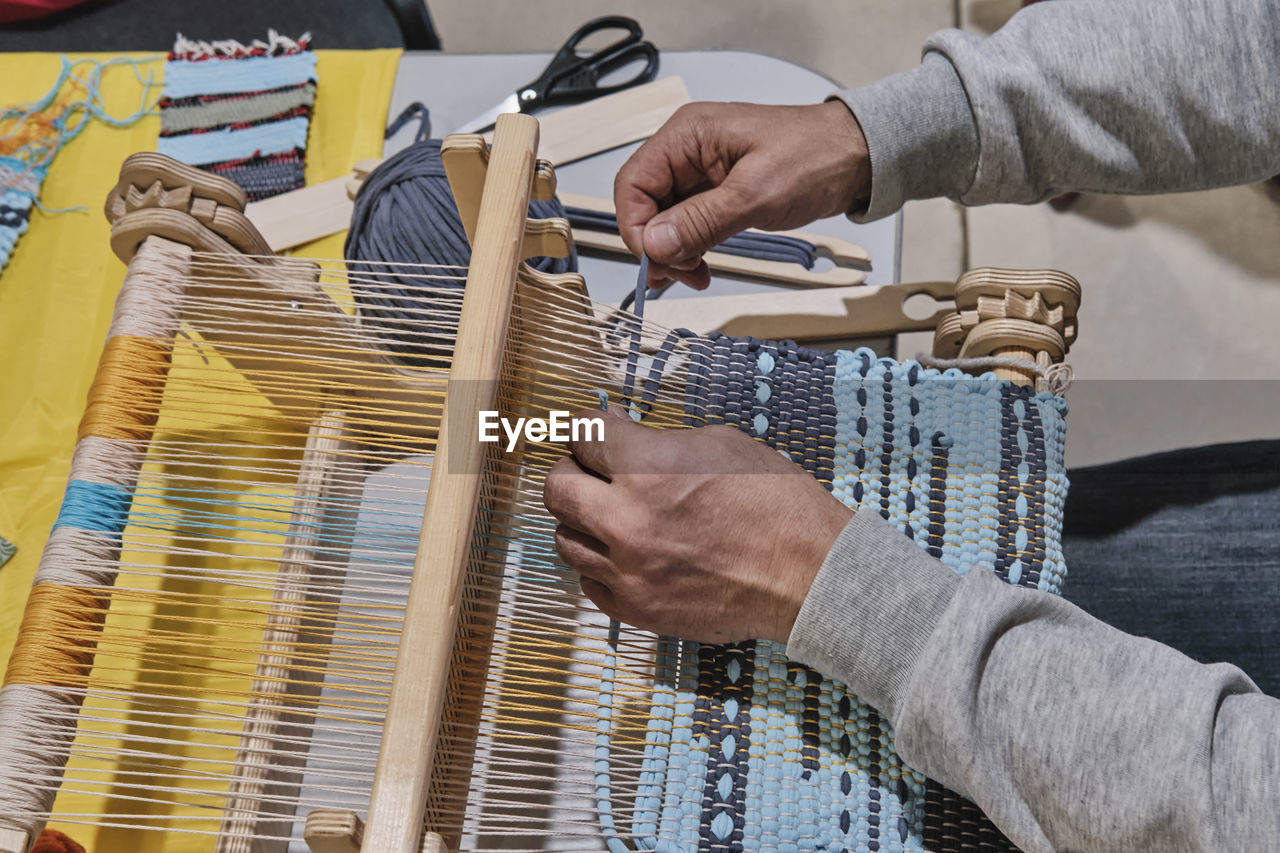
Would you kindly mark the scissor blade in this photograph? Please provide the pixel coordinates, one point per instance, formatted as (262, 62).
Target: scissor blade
(509, 104)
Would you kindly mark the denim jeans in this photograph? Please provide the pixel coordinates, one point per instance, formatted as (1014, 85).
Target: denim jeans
(1184, 548)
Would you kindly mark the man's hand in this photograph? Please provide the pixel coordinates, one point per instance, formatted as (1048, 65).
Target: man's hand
(704, 534)
(715, 169)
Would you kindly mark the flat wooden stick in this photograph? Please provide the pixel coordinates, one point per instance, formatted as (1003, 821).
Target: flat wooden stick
(258, 764)
(604, 123)
(298, 217)
(828, 313)
(412, 724)
(575, 132)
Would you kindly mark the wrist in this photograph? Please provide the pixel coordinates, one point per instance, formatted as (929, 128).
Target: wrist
(805, 561)
(848, 138)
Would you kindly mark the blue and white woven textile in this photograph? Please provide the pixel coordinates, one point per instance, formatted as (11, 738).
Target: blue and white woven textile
(745, 750)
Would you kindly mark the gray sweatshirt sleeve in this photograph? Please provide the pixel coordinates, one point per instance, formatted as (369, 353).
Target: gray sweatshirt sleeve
(1069, 734)
(1139, 96)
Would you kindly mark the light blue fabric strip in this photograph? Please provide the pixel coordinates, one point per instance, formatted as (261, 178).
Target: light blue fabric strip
(183, 78)
(216, 146)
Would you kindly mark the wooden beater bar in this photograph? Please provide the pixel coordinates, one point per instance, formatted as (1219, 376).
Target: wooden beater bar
(412, 724)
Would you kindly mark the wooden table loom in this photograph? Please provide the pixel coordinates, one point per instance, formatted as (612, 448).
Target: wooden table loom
(238, 638)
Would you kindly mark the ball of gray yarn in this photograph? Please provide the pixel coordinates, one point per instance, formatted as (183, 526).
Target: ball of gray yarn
(404, 213)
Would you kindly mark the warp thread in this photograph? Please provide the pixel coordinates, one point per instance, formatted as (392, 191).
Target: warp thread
(405, 214)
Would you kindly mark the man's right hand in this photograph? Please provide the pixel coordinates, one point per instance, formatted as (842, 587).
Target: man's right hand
(715, 169)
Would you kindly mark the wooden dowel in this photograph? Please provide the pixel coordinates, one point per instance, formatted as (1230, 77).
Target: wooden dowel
(13, 840)
(258, 764)
(395, 821)
(1013, 374)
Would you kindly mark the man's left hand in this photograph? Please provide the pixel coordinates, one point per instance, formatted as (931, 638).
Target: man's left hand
(704, 534)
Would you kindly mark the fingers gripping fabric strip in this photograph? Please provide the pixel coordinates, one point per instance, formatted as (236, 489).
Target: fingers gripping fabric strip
(748, 244)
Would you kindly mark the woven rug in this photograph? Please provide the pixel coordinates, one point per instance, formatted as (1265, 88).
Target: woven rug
(241, 111)
(746, 750)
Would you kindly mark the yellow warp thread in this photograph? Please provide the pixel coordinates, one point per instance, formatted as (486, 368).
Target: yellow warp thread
(125, 396)
(58, 636)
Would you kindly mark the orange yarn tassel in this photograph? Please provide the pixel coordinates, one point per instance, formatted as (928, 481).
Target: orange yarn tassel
(52, 841)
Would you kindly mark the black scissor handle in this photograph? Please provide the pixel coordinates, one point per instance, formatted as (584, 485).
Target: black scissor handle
(574, 77)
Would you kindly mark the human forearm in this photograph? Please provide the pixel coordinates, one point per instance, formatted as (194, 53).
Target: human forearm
(1138, 97)
(1069, 734)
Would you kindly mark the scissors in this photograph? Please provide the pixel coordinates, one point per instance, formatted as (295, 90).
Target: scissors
(572, 76)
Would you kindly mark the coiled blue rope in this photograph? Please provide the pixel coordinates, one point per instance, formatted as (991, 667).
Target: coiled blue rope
(404, 213)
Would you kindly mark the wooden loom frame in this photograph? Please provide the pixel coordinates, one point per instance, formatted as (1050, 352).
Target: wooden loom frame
(1001, 313)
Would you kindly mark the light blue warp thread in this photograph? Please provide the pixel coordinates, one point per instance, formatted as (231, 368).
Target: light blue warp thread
(96, 507)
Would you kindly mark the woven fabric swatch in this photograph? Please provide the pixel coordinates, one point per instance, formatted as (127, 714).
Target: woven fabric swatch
(19, 187)
(747, 750)
(241, 111)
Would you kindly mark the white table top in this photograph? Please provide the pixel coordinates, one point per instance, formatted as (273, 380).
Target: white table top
(455, 87)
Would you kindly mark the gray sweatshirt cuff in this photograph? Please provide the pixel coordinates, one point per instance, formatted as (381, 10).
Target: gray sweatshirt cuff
(871, 610)
(921, 136)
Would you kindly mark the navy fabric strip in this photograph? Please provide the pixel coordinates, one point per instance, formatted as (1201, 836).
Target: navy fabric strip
(12, 217)
(763, 247)
(938, 494)
(725, 673)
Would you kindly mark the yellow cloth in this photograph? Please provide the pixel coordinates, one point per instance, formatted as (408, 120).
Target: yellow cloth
(56, 294)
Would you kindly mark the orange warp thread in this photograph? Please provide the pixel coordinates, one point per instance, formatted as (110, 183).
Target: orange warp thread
(126, 391)
(58, 636)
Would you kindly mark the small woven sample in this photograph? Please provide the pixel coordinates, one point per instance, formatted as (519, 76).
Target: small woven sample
(19, 187)
(32, 135)
(7, 550)
(747, 750)
(241, 111)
